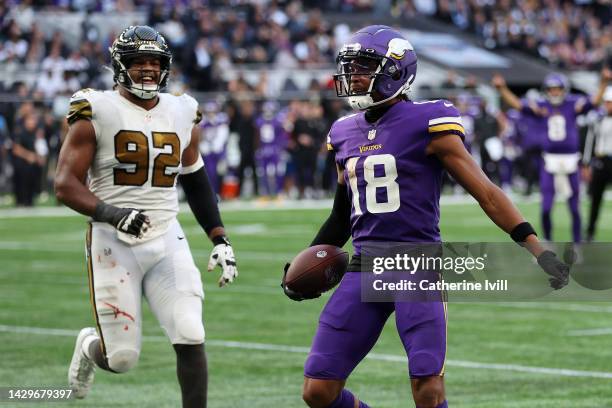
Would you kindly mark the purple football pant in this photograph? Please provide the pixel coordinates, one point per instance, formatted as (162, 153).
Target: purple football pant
(211, 161)
(269, 174)
(349, 328)
(547, 186)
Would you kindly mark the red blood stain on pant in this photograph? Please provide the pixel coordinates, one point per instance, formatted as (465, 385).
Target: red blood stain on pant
(118, 312)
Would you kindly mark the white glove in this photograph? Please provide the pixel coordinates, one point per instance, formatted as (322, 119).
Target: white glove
(223, 255)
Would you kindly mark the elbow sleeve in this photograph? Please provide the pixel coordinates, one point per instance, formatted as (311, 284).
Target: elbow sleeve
(202, 199)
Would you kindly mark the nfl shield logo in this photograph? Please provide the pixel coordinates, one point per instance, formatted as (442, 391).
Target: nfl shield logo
(372, 134)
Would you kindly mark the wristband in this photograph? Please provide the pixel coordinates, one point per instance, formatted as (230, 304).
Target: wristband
(522, 231)
(220, 239)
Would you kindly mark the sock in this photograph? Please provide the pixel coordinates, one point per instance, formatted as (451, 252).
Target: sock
(192, 373)
(346, 400)
(576, 224)
(94, 352)
(86, 344)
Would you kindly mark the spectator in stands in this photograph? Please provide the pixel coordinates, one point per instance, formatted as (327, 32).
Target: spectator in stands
(29, 155)
(15, 47)
(243, 123)
(308, 134)
(36, 48)
(3, 153)
(566, 34)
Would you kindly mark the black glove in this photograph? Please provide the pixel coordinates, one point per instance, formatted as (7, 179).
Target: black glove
(128, 220)
(298, 297)
(558, 270)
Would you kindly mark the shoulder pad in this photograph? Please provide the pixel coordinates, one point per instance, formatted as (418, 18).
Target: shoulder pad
(80, 106)
(190, 100)
(444, 118)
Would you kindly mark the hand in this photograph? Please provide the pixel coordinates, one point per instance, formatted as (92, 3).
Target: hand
(606, 75)
(223, 255)
(498, 81)
(586, 174)
(558, 270)
(128, 220)
(298, 297)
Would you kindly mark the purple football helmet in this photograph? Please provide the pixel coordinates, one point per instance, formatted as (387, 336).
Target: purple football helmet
(383, 54)
(555, 80)
(269, 109)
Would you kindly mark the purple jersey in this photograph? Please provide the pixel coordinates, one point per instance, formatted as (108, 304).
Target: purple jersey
(394, 187)
(215, 133)
(272, 136)
(531, 130)
(561, 131)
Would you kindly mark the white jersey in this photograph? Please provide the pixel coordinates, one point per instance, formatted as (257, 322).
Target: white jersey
(603, 145)
(138, 154)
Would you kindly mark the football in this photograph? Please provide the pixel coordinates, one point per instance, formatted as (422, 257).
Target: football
(316, 270)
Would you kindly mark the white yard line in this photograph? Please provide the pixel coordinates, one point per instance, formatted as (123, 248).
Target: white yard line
(602, 331)
(302, 350)
(570, 307)
(230, 206)
(75, 248)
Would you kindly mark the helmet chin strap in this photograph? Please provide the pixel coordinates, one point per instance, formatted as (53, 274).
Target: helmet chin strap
(363, 102)
(144, 91)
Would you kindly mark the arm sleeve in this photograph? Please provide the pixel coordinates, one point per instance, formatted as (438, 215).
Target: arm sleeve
(202, 199)
(336, 230)
(583, 105)
(528, 108)
(589, 144)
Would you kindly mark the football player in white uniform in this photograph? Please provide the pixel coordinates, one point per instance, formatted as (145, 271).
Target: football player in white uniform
(119, 165)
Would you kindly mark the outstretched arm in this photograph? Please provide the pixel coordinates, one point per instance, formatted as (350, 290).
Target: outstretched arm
(203, 203)
(605, 80)
(198, 190)
(460, 164)
(507, 95)
(498, 207)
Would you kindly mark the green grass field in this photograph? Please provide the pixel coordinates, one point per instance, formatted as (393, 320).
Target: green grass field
(499, 355)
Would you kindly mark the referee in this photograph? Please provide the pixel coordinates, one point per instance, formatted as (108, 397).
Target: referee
(598, 153)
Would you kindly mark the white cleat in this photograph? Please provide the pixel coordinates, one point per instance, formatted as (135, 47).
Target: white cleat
(81, 372)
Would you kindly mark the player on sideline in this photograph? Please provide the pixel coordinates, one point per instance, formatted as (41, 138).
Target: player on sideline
(392, 190)
(132, 143)
(559, 173)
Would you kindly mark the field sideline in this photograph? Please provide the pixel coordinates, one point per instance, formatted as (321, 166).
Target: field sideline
(499, 355)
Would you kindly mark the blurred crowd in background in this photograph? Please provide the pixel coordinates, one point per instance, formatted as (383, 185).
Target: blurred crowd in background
(253, 143)
(567, 34)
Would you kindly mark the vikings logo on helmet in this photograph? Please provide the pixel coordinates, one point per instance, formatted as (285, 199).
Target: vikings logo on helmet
(398, 48)
(384, 55)
(136, 41)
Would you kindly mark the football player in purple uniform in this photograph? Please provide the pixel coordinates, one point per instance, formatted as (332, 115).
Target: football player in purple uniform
(558, 111)
(213, 143)
(390, 157)
(271, 141)
(531, 133)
